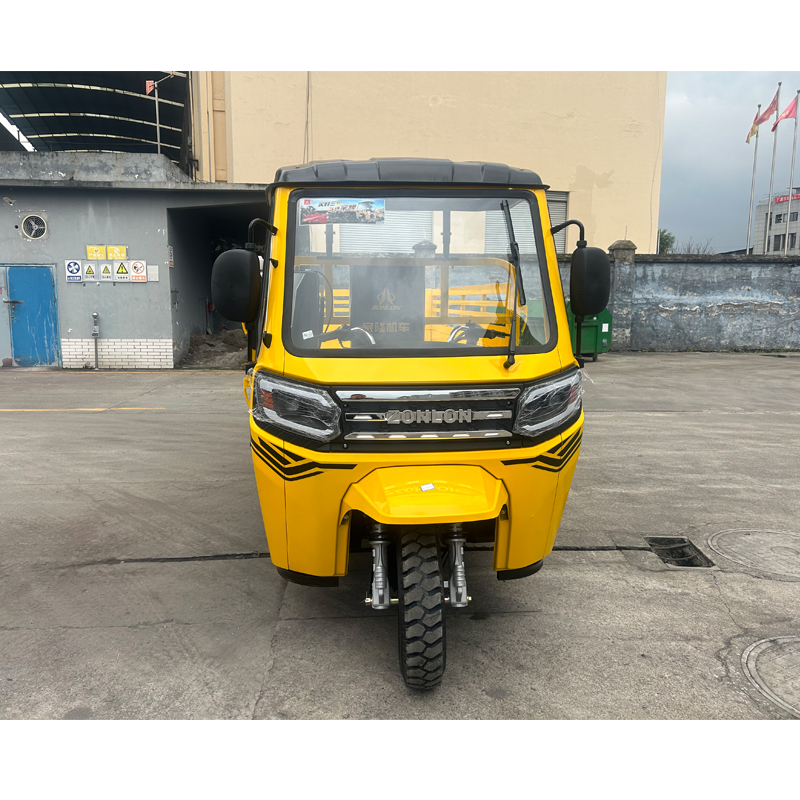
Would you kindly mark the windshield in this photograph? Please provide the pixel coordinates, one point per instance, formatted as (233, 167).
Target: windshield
(405, 274)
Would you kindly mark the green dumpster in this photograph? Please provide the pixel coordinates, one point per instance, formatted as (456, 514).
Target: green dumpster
(595, 333)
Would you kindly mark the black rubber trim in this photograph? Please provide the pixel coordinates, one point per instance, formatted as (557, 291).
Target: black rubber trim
(444, 352)
(408, 170)
(522, 572)
(302, 579)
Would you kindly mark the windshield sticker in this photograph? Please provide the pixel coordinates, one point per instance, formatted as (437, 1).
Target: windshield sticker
(341, 210)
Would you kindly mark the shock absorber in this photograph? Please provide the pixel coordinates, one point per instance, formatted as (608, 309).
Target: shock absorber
(381, 595)
(458, 597)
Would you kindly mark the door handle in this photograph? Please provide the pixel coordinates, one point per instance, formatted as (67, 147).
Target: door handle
(12, 301)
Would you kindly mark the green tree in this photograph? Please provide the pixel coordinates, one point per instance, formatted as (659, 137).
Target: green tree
(666, 241)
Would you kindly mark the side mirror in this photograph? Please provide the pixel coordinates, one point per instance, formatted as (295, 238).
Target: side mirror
(236, 285)
(589, 281)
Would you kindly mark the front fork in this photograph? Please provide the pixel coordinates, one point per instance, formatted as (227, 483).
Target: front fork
(455, 584)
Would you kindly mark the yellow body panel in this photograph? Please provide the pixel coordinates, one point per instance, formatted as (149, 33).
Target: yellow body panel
(306, 495)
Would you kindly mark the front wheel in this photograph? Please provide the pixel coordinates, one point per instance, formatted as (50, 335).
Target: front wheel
(421, 636)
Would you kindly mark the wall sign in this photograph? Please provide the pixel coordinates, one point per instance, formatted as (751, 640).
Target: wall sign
(139, 271)
(122, 271)
(90, 270)
(74, 271)
(106, 271)
(116, 251)
(95, 252)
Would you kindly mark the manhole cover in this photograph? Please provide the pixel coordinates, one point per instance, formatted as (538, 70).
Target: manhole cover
(773, 667)
(770, 551)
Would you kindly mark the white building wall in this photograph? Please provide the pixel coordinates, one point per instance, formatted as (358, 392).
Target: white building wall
(118, 353)
(777, 228)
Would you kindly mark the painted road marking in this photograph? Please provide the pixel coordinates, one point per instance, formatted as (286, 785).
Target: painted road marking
(133, 408)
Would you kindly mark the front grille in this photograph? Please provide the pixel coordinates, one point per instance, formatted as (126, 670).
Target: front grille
(426, 415)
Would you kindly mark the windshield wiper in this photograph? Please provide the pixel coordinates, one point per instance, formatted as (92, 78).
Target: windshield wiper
(518, 287)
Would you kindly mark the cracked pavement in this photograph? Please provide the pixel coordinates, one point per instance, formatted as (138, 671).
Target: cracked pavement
(120, 598)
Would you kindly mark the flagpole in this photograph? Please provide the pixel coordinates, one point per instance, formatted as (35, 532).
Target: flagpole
(158, 126)
(791, 175)
(772, 172)
(753, 185)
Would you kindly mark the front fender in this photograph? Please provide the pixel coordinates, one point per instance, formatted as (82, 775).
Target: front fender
(427, 494)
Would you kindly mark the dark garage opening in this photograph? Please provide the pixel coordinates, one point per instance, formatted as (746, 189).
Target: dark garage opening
(197, 236)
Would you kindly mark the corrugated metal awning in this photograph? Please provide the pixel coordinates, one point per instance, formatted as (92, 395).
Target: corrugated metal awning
(95, 111)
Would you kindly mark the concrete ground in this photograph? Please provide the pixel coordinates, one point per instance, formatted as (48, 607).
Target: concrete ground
(110, 606)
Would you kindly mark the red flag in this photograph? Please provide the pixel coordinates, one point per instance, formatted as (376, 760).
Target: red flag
(790, 113)
(771, 109)
(149, 86)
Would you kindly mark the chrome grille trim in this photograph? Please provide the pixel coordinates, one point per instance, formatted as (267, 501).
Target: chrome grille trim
(380, 416)
(367, 436)
(425, 395)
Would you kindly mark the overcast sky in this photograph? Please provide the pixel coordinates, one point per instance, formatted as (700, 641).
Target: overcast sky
(707, 167)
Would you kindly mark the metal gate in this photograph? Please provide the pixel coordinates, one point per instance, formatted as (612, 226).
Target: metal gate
(30, 301)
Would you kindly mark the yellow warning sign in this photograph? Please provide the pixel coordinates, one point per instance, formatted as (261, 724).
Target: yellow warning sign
(96, 252)
(89, 270)
(105, 272)
(116, 251)
(122, 271)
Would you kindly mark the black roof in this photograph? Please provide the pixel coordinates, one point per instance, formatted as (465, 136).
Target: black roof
(95, 111)
(408, 171)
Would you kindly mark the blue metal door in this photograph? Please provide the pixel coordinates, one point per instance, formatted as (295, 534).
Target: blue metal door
(32, 307)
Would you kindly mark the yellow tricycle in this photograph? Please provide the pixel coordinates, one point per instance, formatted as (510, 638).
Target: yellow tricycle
(411, 383)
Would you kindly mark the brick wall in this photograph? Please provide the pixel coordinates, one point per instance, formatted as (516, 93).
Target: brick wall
(118, 353)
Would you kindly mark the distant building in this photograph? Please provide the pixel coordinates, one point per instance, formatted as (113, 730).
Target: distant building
(776, 229)
(594, 137)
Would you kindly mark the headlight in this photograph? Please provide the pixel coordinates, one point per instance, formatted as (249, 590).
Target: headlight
(548, 404)
(295, 407)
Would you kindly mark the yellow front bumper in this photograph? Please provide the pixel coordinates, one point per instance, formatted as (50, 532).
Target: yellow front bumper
(305, 496)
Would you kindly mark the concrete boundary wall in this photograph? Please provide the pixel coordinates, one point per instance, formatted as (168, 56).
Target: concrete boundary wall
(704, 303)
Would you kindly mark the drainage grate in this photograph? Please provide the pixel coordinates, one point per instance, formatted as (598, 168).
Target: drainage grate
(678, 552)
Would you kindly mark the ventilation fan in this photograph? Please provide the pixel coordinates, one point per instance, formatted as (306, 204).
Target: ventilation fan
(34, 227)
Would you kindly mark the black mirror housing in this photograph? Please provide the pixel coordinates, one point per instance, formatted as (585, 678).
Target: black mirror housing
(236, 285)
(589, 281)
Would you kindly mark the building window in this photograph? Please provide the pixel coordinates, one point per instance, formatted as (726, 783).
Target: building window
(793, 216)
(778, 218)
(779, 239)
(792, 241)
